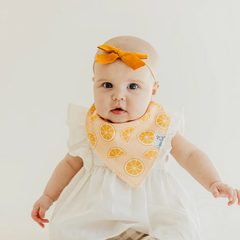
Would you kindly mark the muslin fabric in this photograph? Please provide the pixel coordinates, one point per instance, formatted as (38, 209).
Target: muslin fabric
(98, 205)
(129, 149)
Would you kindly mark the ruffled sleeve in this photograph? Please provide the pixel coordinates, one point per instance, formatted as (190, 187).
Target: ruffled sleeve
(77, 142)
(177, 123)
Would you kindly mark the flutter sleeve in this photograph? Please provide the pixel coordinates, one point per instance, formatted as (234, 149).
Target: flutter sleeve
(177, 123)
(77, 141)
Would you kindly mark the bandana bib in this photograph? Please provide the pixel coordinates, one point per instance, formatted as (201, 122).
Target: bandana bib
(129, 149)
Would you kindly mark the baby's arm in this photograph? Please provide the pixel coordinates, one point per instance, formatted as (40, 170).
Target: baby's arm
(60, 178)
(194, 160)
(62, 175)
(201, 168)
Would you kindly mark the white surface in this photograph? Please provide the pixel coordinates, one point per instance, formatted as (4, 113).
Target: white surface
(47, 48)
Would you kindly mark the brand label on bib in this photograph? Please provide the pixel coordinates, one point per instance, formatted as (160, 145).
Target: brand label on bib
(158, 141)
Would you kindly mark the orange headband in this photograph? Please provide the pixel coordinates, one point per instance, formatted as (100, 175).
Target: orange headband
(132, 59)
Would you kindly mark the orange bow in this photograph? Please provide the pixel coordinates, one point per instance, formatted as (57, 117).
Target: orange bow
(132, 59)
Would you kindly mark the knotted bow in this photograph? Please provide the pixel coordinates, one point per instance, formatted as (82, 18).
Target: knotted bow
(132, 59)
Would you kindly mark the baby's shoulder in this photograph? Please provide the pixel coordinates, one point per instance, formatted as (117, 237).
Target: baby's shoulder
(181, 148)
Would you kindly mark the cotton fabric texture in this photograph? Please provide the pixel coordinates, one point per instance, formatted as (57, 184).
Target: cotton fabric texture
(129, 149)
(98, 205)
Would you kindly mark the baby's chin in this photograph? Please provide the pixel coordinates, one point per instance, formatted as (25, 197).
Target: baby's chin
(119, 122)
(108, 120)
(112, 121)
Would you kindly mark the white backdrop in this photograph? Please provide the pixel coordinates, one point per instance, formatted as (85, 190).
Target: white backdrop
(46, 54)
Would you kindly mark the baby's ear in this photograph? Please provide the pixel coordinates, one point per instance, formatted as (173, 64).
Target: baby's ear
(93, 79)
(157, 85)
(155, 88)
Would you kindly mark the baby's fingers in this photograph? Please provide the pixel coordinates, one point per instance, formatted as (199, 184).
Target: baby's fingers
(41, 224)
(230, 193)
(232, 197)
(42, 211)
(35, 216)
(43, 220)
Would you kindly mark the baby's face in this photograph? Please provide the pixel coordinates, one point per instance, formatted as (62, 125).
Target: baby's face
(132, 89)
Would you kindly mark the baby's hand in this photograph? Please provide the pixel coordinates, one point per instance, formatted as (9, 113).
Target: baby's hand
(39, 209)
(220, 189)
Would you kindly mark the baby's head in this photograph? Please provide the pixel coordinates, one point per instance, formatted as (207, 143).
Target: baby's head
(117, 84)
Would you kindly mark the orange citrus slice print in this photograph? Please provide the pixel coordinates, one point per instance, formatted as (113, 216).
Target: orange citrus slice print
(146, 137)
(126, 133)
(92, 109)
(163, 120)
(92, 139)
(146, 116)
(107, 131)
(151, 154)
(93, 118)
(157, 105)
(134, 167)
(116, 152)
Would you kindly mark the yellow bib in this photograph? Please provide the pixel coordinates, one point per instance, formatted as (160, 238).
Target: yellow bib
(129, 149)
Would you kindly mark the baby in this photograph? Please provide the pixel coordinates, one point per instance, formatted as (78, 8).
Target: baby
(113, 183)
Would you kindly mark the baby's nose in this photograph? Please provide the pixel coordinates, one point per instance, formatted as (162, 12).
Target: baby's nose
(118, 98)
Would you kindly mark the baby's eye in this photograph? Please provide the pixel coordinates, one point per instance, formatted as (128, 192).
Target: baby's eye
(133, 85)
(107, 83)
(110, 85)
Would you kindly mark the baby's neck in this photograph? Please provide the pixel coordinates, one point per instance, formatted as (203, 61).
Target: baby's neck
(114, 122)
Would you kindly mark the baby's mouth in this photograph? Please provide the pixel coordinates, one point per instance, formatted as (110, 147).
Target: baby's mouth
(118, 111)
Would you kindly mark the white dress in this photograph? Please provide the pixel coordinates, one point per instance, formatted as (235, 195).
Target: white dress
(97, 204)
